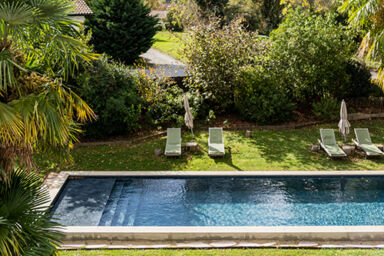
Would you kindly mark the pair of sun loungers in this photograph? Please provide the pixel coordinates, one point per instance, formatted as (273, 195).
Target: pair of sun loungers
(363, 141)
(215, 142)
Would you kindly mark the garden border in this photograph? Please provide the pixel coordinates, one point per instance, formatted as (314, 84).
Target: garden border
(351, 117)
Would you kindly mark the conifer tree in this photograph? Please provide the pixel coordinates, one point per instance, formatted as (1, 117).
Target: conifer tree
(121, 28)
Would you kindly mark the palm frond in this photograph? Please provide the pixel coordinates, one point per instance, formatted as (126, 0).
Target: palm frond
(16, 12)
(24, 216)
(11, 126)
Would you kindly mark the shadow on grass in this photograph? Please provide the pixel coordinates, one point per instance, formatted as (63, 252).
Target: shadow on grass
(294, 146)
(227, 159)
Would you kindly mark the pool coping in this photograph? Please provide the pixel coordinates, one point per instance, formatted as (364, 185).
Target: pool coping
(199, 233)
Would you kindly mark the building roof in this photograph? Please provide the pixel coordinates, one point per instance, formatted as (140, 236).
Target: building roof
(81, 8)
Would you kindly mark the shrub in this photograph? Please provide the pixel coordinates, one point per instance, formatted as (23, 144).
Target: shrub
(309, 53)
(173, 22)
(26, 227)
(111, 91)
(326, 109)
(215, 7)
(214, 58)
(122, 29)
(163, 101)
(359, 83)
(259, 99)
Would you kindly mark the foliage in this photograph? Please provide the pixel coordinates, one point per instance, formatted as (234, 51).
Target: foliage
(259, 99)
(37, 110)
(173, 22)
(122, 29)
(215, 7)
(326, 109)
(163, 101)
(263, 16)
(188, 12)
(309, 54)
(358, 84)
(214, 59)
(369, 16)
(25, 224)
(313, 5)
(111, 90)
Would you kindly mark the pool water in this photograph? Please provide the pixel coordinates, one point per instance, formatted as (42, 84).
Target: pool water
(221, 201)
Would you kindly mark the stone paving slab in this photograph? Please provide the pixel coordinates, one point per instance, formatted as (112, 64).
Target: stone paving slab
(221, 244)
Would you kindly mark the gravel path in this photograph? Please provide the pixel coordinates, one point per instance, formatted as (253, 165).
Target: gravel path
(164, 65)
(154, 56)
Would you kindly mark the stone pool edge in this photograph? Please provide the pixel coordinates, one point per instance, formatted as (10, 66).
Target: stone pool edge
(238, 233)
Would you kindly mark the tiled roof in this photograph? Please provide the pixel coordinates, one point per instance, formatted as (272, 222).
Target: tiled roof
(81, 8)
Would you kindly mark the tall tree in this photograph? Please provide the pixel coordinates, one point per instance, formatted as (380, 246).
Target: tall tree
(40, 47)
(369, 16)
(122, 29)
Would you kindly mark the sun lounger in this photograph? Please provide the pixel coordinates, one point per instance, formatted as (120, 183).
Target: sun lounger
(216, 142)
(328, 143)
(173, 146)
(364, 142)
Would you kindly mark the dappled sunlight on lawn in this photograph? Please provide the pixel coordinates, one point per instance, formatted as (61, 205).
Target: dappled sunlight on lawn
(265, 150)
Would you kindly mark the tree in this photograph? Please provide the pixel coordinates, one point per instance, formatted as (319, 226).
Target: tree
(368, 15)
(25, 224)
(309, 55)
(40, 47)
(215, 7)
(122, 29)
(313, 5)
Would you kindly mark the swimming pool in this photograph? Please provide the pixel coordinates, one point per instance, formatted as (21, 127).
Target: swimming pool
(221, 201)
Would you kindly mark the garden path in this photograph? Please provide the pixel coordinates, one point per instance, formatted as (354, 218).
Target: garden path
(164, 64)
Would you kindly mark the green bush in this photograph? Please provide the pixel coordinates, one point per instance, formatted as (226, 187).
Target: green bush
(122, 29)
(173, 22)
(163, 101)
(259, 99)
(214, 57)
(359, 83)
(215, 7)
(111, 91)
(326, 109)
(309, 54)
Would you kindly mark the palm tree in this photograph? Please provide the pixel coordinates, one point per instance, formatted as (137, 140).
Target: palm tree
(40, 47)
(25, 224)
(369, 16)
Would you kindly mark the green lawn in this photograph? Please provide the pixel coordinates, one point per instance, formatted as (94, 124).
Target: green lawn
(169, 43)
(266, 150)
(228, 252)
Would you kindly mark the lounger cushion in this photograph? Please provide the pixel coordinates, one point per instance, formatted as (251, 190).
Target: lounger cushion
(329, 143)
(173, 136)
(216, 135)
(371, 150)
(173, 149)
(362, 136)
(173, 146)
(334, 150)
(328, 136)
(216, 149)
(365, 143)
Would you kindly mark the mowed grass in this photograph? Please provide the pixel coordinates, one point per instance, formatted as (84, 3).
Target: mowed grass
(169, 43)
(266, 150)
(227, 252)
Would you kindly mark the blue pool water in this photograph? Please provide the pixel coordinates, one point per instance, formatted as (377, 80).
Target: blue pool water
(221, 201)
